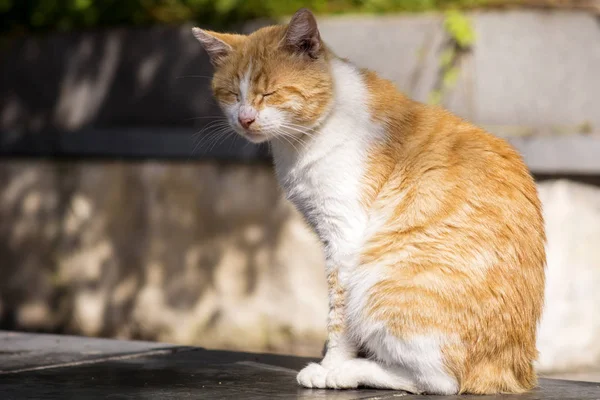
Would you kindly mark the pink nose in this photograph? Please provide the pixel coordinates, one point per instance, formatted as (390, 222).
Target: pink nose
(246, 120)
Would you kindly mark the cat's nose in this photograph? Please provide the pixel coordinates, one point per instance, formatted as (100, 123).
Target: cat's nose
(246, 121)
(246, 116)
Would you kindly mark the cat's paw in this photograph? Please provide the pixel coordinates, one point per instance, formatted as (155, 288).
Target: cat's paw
(342, 378)
(312, 376)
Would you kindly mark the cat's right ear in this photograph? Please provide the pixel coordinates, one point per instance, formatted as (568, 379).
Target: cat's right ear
(302, 35)
(217, 45)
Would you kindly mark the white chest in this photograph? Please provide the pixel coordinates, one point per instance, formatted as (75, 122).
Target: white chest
(325, 186)
(324, 178)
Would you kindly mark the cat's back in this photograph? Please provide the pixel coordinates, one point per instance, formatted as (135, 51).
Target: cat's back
(484, 171)
(429, 149)
(440, 159)
(438, 173)
(434, 135)
(457, 222)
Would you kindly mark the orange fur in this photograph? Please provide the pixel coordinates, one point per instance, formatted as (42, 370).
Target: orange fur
(462, 237)
(463, 243)
(290, 78)
(336, 299)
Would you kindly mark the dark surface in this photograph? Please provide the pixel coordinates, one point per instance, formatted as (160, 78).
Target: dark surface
(181, 373)
(173, 143)
(27, 351)
(117, 93)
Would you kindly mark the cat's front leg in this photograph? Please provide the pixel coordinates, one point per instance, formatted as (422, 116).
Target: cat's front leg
(339, 347)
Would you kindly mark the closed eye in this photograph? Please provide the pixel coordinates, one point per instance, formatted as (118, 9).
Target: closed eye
(237, 96)
(269, 93)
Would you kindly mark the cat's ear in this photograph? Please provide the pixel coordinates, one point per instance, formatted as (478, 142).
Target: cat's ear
(302, 35)
(217, 45)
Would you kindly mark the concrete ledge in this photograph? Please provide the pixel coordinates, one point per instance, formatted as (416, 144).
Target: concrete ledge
(577, 154)
(177, 143)
(544, 152)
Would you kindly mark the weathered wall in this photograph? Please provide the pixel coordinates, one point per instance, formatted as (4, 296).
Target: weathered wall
(194, 253)
(212, 255)
(569, 336)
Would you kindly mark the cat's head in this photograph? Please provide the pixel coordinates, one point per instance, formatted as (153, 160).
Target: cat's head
(273, 83)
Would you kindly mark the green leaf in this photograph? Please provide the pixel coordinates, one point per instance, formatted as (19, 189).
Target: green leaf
(447, 57)
(450, 77)
(82, 4)
(460, 29)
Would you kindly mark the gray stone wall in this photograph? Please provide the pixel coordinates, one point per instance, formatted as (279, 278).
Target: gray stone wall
(193, 253)
(536, 69)
(209, 254)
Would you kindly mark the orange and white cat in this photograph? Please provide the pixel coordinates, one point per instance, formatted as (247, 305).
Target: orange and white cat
(432, 228)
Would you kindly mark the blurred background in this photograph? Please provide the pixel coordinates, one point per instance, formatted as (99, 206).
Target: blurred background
(126, 212)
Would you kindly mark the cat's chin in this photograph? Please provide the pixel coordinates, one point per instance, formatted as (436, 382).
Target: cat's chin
(255, 137)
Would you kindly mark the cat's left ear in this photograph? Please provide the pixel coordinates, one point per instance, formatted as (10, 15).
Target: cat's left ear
(302, 35)
(217, 45)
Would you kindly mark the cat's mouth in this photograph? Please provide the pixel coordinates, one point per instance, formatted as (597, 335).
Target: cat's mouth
(255, 137)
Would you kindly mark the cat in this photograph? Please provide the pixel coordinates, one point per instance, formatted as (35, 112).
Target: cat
(432, 228)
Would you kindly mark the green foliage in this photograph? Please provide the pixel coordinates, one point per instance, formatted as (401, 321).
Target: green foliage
(64, 15)
(459, 28)
(435, 97)
(462, 35)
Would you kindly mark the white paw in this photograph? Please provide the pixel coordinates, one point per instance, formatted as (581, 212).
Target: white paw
(312, 376)
(341, 378)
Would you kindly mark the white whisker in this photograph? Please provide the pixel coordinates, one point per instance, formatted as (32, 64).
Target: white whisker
(212, 137)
